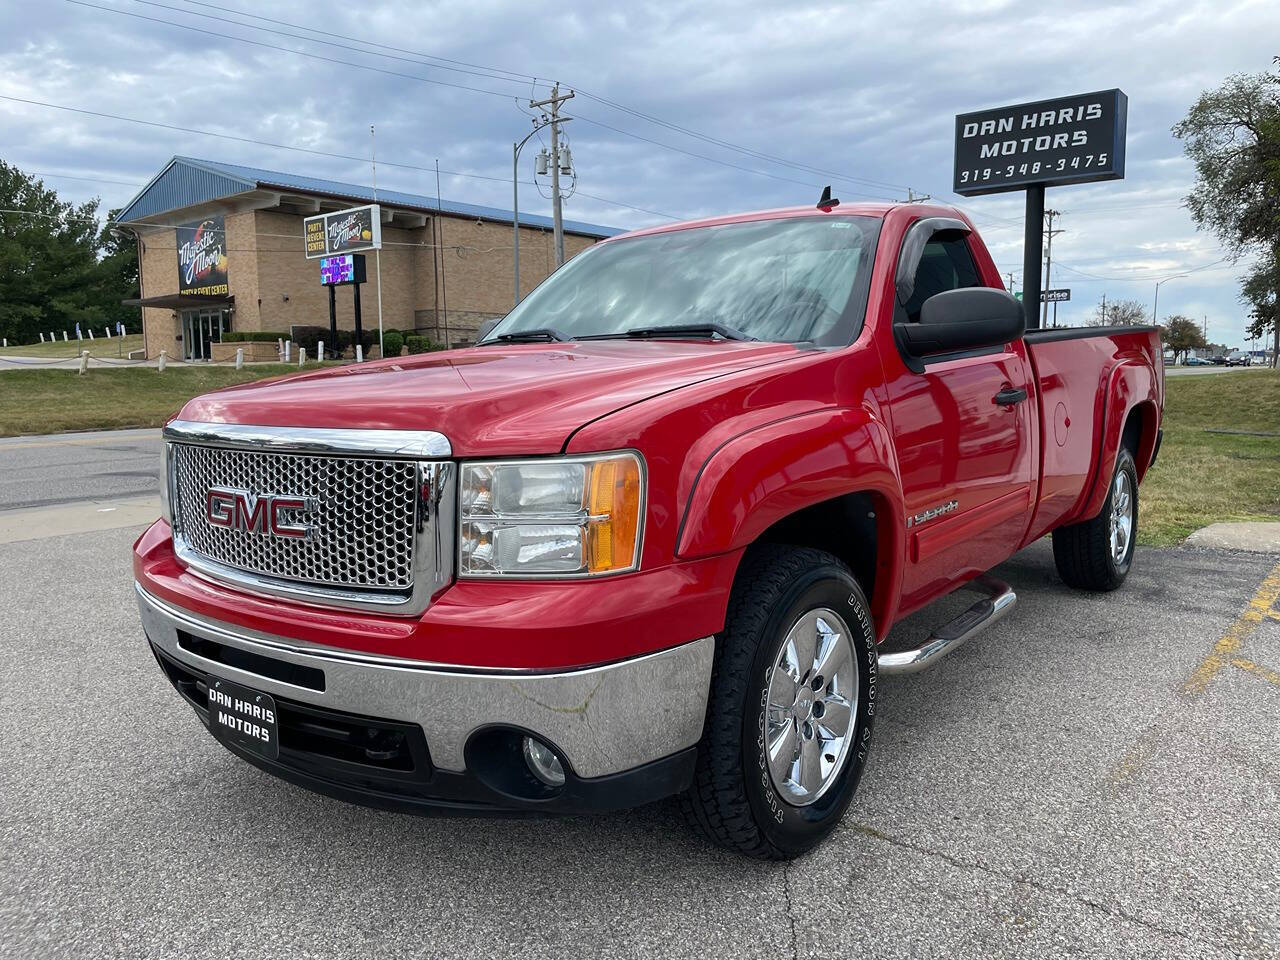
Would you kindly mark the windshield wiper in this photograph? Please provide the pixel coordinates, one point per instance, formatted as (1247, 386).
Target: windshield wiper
(536, 334)
(724, 331)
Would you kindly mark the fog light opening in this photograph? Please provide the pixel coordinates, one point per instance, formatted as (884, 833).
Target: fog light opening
(543, 763)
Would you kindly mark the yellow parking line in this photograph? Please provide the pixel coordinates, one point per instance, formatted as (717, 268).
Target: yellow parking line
(68, 442)
(1266, 673)
(1229, 644)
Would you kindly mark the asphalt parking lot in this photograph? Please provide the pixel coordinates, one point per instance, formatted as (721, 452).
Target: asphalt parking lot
(1096, 776)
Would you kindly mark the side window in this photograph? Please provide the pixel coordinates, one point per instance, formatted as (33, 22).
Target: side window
(945, 265)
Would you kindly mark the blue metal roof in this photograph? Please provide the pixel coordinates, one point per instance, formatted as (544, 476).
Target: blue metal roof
(186, 182)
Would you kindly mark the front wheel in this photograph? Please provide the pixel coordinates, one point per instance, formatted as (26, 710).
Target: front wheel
(1097, 554)
(791, 705)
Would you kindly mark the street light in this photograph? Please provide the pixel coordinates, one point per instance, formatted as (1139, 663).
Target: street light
(1155, 316)
(515, 204)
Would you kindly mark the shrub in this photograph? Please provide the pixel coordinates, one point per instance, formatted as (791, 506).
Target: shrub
(422, 345)
(308, 337)
(392, 341)
(252, 336)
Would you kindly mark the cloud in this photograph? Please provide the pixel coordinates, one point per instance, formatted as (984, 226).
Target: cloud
(865, 93)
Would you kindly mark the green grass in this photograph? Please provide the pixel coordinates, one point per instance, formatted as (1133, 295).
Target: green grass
(55, 401)
(101, 347)
(1204, 478)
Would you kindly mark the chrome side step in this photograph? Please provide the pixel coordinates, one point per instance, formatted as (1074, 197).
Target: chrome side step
(998, 600)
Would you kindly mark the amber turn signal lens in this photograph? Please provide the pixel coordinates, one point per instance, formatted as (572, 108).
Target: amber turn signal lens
(614, 504)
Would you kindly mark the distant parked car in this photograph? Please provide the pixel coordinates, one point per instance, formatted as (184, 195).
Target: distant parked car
(1196, 362)
(1241, 360)
(1219, 360)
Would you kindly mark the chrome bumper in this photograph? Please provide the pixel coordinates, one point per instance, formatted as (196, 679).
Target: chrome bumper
(604, 720)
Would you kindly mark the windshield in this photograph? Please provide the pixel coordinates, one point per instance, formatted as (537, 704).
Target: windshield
(802, 279)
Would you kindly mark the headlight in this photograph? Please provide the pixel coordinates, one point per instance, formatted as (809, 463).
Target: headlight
(578, 516)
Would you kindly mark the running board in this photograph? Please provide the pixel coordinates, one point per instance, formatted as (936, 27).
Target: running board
(998, 600)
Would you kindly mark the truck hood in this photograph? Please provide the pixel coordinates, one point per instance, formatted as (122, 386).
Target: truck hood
(522, 399)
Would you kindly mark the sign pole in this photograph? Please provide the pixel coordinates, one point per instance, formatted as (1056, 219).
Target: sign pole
(333, 317)
(1032, 244)
(359, 330)
(377, 263)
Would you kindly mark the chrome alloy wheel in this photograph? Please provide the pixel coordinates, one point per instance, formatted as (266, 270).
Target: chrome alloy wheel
(1121, 516)
(812, 700)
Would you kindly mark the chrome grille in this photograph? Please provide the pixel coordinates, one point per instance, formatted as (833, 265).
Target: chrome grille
(363, 515)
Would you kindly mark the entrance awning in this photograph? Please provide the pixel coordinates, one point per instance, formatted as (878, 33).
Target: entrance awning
(181, 301)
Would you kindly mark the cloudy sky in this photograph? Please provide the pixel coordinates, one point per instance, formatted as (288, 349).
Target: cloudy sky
(683, 109)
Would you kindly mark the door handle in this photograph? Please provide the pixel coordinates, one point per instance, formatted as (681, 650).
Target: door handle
(1010, 395)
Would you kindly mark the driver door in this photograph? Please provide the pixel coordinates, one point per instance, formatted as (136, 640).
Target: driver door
(963, 433)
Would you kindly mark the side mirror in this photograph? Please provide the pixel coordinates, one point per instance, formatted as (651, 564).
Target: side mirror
(965, 319)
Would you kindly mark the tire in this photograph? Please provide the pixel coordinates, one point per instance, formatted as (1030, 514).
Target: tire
(1087, 556)
(736, 799)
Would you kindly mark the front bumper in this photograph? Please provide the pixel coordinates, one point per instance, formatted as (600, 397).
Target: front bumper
(625, 731)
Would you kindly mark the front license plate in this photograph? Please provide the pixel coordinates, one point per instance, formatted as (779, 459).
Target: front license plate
(244, 717)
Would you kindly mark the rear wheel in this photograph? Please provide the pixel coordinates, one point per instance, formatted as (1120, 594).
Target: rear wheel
(791, 705)
(1097, 554)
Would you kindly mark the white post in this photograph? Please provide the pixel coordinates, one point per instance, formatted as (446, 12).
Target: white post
(280, 348)
(107, 331)
(288, 348)
(84, 360)
(6, 341)
(160, 363)
(319, 351)
(239, 358)
(359, 353)
(64, 336)
(91, 333)
(42, 336)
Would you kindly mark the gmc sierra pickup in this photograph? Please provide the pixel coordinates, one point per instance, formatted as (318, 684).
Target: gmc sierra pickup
(645, 537)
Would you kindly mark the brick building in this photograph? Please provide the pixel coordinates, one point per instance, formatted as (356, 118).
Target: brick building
(221, 248)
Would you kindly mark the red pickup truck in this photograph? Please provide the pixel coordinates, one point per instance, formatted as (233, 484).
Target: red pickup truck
(646, 537)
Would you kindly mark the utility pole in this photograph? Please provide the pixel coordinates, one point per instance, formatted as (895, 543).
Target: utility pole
(1104, 310)
(912, 198)
(1010, 275)
(1048, 263)
(552, 105)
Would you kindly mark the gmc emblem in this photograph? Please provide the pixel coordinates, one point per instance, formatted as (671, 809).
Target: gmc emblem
(256, 513)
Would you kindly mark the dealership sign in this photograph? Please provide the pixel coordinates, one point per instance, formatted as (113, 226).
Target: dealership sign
(347, 231)
(1076, 139)
(202, 257)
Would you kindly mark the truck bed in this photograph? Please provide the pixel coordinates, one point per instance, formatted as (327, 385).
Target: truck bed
(1078, 372)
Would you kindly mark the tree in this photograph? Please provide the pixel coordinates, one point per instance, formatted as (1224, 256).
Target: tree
(119, 274)
(53, 273)
(1259, 292)
(1119, 313)
(1181, 335)
(1232, 134)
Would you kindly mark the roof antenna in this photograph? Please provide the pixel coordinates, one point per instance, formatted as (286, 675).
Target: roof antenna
(826, 203)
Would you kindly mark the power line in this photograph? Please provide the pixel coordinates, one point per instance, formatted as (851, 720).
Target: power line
(307, 150)
(485, 72)
(300, 53)
(703, 156)
(493, 75)
(370, 43)
(1146, 279)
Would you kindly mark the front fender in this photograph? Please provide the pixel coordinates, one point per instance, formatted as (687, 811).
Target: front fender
(760, 477)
